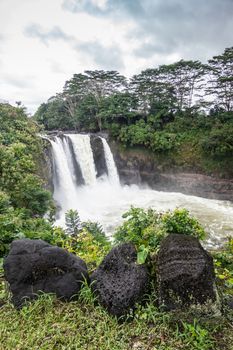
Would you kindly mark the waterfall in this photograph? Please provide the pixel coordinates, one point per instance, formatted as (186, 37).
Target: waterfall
(84, 156)
(111, 166)
(64, 184)
(74, 166)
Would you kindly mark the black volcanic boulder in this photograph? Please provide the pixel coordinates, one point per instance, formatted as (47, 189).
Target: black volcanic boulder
(119, 282)
(34, 265)
(185, 272)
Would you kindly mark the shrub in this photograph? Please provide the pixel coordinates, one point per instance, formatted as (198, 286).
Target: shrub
(180, 221)
(223, 260)
(146, 228)
(220, 142)
(161, 141)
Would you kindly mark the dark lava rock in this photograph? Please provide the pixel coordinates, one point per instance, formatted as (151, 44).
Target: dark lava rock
(119, 282)
(34, 265)
(98, 155)
(185, 272)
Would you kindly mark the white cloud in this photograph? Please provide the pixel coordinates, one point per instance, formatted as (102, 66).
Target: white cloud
(43, 43)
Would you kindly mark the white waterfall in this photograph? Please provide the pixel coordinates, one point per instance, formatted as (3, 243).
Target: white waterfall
(84, 156)
(74, 166)
(64, 184)
(111, 166)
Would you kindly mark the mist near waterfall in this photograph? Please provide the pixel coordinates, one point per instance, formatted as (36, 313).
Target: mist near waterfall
(104, 199)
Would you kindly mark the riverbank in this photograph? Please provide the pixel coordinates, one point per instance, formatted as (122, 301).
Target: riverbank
(172, 172)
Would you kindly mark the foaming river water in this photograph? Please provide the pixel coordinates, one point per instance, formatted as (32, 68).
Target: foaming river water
(105, 202)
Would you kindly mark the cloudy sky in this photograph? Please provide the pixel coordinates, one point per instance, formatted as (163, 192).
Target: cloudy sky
(44, 42)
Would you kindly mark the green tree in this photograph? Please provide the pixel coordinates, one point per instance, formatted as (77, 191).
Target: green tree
(98, 84)
(54, 115)
(186, 78)
(220, 82)
(151, 88)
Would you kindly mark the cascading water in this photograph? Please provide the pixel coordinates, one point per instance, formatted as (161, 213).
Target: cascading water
(64, 184)
(111, 166)
(84, 156)
(104, 200)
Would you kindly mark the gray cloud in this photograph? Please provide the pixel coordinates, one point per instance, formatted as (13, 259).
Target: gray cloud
(190, 28)
(133, 7)
(36, 31)
(18, 82)
(104, 57)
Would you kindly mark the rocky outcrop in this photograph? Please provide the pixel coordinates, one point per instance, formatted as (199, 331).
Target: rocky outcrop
(34, 265)
(45, 166)
(98, 155)
(142, 167)
(185, 272)
(119, 282)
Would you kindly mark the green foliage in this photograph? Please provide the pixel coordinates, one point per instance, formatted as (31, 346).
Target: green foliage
(96, 231)
(161, 141)
(4, 202)
(220, 82)
(219, 143)
(135, 134)
(91, 250)
(85, 239)
(132, 229)
(146, 229)
(20, 151)
(54, 115)
(195, 336)
(142, 254)
(223, 260)
(180, 221)
(23, 200)
(86, 296)
(73, 222)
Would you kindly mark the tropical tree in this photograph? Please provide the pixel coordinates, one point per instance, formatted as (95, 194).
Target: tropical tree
(97, 85)
(186, 79)
(220, 83)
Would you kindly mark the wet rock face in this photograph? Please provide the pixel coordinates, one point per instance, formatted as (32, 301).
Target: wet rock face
(185, 272)
(98, 154)
(119, 282)
(34, 265)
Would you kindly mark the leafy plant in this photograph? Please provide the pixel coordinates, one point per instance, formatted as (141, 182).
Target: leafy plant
(146, 229)
(195, 336)
(96, 231)
(180, 221)
(73, 222)
(223, 260)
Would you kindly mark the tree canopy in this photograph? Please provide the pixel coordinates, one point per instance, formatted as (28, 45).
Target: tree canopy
(93, 100)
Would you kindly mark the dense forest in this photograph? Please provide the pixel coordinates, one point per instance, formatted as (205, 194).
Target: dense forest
(163, 109)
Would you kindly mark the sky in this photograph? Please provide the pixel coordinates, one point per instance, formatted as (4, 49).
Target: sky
(44, 42)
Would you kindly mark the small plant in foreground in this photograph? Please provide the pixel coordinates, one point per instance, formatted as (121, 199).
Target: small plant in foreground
(73, 222)
(86, 295)
(196, 337)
